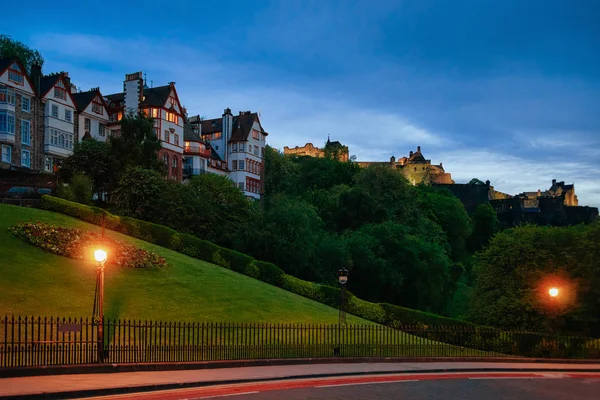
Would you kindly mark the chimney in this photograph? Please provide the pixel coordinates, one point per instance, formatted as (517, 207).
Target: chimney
(410, 154)
(487, 183)
(227, 111)
(171, 83)
(392, 160)
(539, 193)
(553, 182)
(36, 77)
(65, 76)
(133, 91)
(418, 149)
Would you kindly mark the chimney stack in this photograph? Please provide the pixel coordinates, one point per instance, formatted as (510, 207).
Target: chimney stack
(410, 154)
(553, 182)
(392, 160)
(36, 77)
(418, 149)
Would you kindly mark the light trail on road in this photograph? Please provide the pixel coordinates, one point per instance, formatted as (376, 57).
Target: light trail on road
(248, 389)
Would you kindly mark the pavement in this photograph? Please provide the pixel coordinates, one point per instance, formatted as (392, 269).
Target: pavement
(87, 385)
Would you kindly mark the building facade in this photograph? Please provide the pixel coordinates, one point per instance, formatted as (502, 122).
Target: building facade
(416, 168)
(334, 149)
(21, 138)
(239, 143)
(163, 105)
(92, 116)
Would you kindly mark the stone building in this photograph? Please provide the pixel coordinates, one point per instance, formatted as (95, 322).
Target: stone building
(333, 149)
(416, 168)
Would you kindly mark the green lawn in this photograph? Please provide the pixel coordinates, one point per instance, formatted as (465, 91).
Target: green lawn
(34, 282)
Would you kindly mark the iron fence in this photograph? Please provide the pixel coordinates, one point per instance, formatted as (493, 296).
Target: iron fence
(29, 341)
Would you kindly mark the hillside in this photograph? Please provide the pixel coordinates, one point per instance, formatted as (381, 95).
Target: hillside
(34, 282)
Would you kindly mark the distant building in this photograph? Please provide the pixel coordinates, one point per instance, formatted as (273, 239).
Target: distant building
(415, 168)
(333, 149)
(21, 129)
(92, 115)
(162, 104)
(237, 146)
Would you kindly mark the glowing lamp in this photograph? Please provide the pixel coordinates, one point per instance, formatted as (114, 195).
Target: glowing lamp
(100, 255)
(553, 292)
(343, 276)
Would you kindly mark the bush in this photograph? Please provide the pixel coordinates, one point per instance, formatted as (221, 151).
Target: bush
(265, 271)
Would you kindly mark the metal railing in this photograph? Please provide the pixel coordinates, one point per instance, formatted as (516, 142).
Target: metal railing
(29, 341)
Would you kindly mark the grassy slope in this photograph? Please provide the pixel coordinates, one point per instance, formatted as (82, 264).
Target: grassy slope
(34, 282)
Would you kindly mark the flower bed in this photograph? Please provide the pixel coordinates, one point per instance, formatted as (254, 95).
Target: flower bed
(79, 245)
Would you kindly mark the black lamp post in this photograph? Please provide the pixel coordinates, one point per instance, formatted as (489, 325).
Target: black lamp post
(342, 279)
(98, 318)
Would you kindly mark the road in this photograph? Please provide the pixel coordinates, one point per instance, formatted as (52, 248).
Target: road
(418, 386)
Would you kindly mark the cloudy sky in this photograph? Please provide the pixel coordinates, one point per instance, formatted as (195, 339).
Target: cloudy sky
(502, 90)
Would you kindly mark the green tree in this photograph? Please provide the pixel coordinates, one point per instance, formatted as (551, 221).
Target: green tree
(215, 208)
(514, 272)
(281, 173)
(137, 191)
(485, 224)
(137, 146)
(94, 159)
(10, 48)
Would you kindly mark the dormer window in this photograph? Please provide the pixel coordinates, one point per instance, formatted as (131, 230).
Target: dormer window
(15, 74)
(97, 106)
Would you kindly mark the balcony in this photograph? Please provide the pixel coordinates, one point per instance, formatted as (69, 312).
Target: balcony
(196, 149)
(189, 171)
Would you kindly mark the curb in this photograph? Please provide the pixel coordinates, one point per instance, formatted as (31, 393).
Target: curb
(183, 385)
(15, 372)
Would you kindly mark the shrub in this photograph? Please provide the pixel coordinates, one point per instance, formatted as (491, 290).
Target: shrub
(192, 246)
(78, 244)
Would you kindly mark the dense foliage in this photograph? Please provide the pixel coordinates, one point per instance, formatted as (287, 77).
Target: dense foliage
(514, 273)
(78, 244)
(10, 48)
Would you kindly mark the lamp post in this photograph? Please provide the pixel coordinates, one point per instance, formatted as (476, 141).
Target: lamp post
(98, 318)
(342, 279)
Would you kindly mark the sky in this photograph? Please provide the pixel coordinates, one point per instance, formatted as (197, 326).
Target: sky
(502, 90)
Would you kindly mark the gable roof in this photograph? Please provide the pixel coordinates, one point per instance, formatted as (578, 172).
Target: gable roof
(116, 97)
(47, 82)
(5, 63)
(210, 126)
(156, 96)
(83, 99)
(242, 126)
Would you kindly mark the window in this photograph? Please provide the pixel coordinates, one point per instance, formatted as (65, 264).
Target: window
(234, 165)
(87, 124)
(174, 162)
(176, 139)
(15, 74)
(60, 138)
(166, 160)
(241, 185)
(6, 154)
(54, 110)
(25, 132)
(7, 122)
(167, 136)
(102, 130)
(234, 147)
(97, 106)
(120, 116)
(216, 135)
(241, 165)
(25, 104)
(48, 164)
(25, 158)
(60, 93)
(68, 115)
(262, 152)
(255, 134)
(156, 133)
(172, 101)
(255, 150)
(242, 147)
(172, 117)
(7, 96)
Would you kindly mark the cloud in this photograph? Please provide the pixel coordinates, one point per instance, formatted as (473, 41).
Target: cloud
(479, 128)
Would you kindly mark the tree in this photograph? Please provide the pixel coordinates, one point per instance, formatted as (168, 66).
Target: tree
(94, 159)
(136, 192)
(137, 146)
(215, 208)
(10, 48)
(485, 224)
(514, 272)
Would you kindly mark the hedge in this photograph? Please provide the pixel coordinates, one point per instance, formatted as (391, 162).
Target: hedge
(267, 272)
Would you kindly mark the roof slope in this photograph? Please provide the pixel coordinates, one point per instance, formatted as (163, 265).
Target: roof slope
(83, 99)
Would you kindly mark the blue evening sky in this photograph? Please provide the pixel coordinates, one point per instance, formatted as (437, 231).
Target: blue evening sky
(502, 90)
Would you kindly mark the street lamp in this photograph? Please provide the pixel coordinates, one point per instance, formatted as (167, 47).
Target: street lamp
(100, 256)
(553, 292)
(342, 279)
